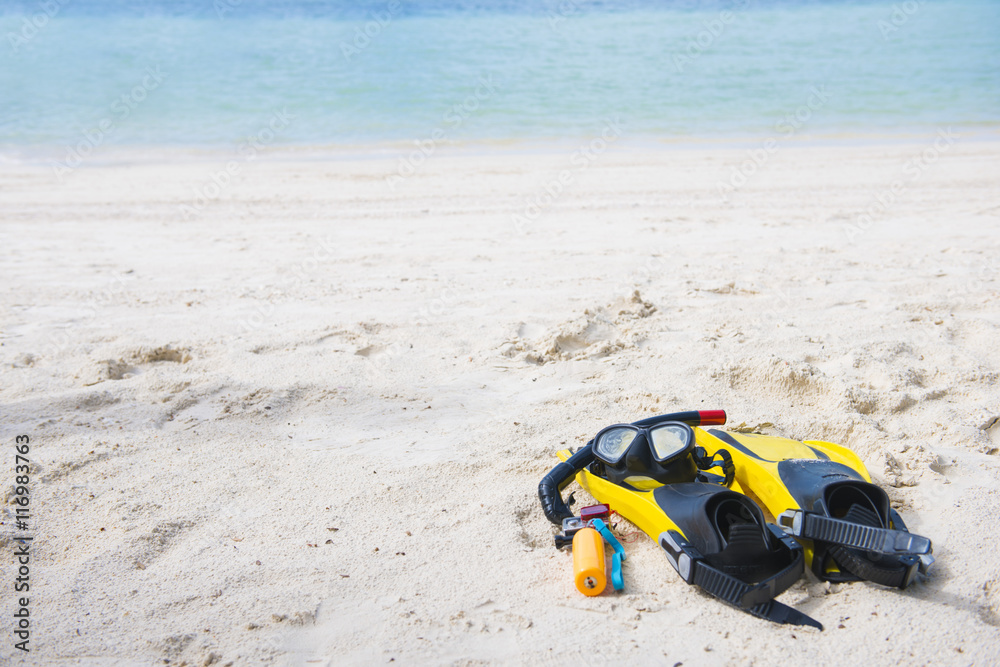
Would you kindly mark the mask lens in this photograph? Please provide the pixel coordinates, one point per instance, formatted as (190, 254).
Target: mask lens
(669, 440)
(613, 443)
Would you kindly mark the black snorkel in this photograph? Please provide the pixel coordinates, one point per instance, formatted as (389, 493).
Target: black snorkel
(551, 486)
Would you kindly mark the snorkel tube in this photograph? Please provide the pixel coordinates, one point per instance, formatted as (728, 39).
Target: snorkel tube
(551, 486)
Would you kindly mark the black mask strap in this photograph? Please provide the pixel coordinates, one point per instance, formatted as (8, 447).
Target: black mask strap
(706, 462)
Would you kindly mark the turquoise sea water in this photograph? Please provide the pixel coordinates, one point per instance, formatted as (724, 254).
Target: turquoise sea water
(212, 72)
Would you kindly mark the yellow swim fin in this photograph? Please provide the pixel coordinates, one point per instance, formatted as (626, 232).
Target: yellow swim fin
(821, 493)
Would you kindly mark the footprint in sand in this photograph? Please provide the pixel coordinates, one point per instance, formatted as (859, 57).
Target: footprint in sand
(992, 429)
(131, 364)
(598, 333)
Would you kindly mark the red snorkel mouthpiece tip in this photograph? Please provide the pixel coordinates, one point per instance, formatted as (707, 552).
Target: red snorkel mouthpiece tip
(712, 417)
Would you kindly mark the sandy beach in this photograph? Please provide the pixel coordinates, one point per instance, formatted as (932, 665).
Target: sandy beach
(295, 412)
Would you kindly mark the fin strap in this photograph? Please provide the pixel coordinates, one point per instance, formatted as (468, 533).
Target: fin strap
(757, 599)
(813, 526)
(899, 576)
(896, 522)
(783, 580)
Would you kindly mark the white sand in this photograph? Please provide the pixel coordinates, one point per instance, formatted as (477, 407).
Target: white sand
(306, 425)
